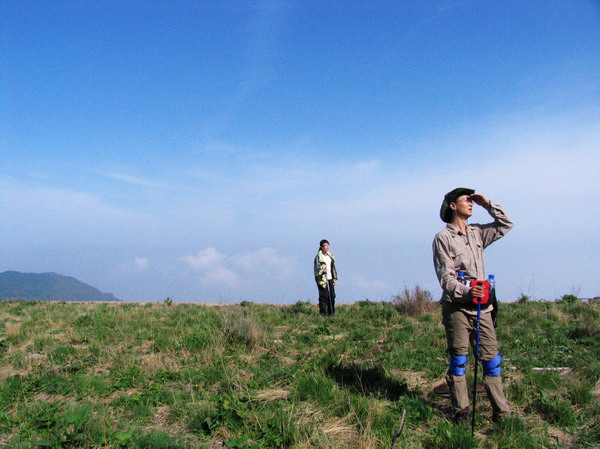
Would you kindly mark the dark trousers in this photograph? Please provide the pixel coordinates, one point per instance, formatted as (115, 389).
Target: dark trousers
(327, 299)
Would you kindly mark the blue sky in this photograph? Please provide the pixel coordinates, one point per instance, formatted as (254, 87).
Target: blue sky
(200, 150)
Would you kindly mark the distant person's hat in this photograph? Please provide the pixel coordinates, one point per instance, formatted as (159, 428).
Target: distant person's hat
(451, 197)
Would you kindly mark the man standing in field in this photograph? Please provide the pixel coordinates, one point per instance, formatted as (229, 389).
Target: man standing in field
(459, 248)
(326, 277)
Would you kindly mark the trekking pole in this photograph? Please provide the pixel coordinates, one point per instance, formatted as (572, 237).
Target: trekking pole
(329, 296)
(476, 364)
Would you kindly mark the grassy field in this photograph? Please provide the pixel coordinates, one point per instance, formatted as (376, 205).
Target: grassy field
(259, 376)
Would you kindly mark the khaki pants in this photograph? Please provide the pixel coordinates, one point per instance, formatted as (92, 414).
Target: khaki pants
(461, 328)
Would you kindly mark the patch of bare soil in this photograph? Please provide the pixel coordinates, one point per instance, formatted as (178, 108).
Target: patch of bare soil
(565, 440)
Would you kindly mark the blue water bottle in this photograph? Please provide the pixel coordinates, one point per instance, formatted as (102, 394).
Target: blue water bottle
(493, 300)
(492, 280)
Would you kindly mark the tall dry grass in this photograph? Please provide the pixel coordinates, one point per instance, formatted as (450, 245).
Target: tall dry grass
(415, 302)
(12, 329)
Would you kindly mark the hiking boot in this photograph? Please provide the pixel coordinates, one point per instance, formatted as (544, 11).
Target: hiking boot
(497, 418)
(461, 417)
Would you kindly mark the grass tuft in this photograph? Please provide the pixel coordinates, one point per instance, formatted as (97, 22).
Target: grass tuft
(12, 329)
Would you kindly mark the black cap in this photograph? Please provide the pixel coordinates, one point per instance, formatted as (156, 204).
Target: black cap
(451, 197)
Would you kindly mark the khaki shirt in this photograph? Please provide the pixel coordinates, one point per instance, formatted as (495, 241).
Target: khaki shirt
(454, 251)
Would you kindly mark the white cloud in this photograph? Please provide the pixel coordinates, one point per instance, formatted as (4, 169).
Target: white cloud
(220, 274)
(211, 265)
(243, 269)
(204, 259)
(264, 260)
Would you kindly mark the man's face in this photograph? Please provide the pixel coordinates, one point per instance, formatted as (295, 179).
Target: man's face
(325, 247)
(464, 205)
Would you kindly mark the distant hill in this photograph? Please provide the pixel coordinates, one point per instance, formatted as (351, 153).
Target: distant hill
(48, 287)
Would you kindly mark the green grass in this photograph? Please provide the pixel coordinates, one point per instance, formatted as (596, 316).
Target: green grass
(258, 376)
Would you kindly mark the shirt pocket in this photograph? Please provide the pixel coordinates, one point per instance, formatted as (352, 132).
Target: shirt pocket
(477, 243)
(459, 259)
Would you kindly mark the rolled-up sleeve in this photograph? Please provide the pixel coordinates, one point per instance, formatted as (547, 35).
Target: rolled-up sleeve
(498, 228)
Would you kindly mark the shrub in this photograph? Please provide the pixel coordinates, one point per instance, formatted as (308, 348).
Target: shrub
(568, 299)
(301, 307)
(416, 302)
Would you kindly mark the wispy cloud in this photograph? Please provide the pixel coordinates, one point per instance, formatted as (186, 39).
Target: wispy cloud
(130, 179)
(67, 215)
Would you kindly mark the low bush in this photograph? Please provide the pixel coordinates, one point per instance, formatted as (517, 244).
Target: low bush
(300, 307)
(416, 302)
(568, 299)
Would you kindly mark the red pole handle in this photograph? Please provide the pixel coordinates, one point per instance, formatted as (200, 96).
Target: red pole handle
(486, 291)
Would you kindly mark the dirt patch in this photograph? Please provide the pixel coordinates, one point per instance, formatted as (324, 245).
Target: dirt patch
(565, 440)
(7, 372)
(151, 363)
(416, 380)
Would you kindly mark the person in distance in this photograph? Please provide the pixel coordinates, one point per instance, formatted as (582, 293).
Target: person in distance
(326, 277)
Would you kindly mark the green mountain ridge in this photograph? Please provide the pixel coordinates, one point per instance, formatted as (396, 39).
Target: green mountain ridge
(48, 287)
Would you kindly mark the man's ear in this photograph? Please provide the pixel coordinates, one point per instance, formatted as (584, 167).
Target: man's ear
(452, 206)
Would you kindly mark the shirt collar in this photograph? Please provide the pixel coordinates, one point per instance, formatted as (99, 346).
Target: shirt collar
(454, 230)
